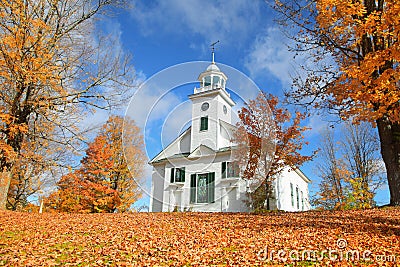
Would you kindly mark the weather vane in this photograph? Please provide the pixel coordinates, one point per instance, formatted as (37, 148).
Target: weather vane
(213, 49)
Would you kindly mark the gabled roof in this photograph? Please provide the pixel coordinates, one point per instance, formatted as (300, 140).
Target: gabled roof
(160, 156)
(227, 125)
(201, 151)
(301, 174)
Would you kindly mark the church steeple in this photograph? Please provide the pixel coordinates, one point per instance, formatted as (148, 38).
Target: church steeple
(212, 78)
(211, 109)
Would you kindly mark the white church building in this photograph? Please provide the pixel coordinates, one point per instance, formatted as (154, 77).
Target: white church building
(196, 171)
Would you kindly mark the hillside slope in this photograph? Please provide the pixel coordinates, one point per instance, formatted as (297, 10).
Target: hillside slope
(353, 238)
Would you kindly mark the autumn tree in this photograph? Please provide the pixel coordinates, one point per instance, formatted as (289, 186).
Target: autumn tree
(360, 147)
(54, 67)
(29, 175)
(354, 50)
(333, 173)
(268, 140)
(110, 175)
(349, 168)
(116, 157)
(35, 169)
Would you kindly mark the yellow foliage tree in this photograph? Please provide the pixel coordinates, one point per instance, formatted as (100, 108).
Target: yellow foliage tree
(355, 71)
(349, 168)
(51, 71)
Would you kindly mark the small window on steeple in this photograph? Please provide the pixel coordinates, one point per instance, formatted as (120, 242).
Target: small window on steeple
(216, 81)
(203, 123)
(207, 81)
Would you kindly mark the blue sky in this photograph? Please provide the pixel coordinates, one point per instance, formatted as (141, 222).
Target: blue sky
(162, 33)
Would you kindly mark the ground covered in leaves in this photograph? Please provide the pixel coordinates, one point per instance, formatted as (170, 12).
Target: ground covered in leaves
(350, 238)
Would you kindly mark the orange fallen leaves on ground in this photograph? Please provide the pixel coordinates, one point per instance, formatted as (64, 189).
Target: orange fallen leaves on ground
(200, 239)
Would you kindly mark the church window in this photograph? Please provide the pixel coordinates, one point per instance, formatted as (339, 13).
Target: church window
(298, 197)
(205, 106)
(207, 81)
(203, 123)
(230, 169)
(215, 81)
(177, 175)
(292, 194)
(202, 188)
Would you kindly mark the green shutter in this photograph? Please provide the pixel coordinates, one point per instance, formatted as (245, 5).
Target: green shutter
(211, 187)
(182, 175)
(192, 188)
(172, 175)
(203, 123)
(223, 170)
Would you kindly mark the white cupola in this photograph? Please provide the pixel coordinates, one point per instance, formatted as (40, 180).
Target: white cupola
(212, 78)
(211, 110)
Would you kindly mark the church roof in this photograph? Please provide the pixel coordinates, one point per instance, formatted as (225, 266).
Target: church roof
(161, 155)
(302, 175)
(213, 67)
(202, 151)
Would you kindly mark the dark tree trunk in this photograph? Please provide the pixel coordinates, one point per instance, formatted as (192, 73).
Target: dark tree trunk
(389, 134)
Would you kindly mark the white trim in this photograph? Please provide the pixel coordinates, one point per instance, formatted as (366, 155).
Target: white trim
(157, 157)
(219, 91)
(301, 174)
(208, 149)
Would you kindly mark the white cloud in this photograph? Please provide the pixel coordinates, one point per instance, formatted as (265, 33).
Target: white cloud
(213, 20)
(317, 125)
(270, 55)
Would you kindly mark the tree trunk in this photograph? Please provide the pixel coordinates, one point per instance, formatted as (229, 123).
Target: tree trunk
(389, 134)
(5, 179)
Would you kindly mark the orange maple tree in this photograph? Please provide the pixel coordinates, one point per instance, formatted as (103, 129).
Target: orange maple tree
(52, 70)
(110, 175)
(268, 140)
(355, 51)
